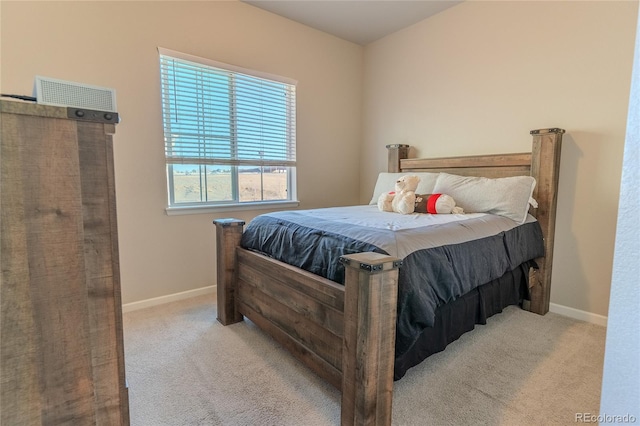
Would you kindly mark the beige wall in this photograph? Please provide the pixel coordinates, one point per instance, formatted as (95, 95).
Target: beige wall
(477, 77)
(113, 44)
(473, 79)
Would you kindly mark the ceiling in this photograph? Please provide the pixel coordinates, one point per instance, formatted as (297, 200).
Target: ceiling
(358, 21)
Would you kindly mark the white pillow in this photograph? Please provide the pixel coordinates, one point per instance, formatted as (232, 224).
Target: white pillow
(387, 182)
(507, 197)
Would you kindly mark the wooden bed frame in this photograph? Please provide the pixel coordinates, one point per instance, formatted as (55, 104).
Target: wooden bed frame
(346, 334)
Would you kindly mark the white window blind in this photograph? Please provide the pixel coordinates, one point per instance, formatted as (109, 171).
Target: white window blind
(217, 116)
(224, 116)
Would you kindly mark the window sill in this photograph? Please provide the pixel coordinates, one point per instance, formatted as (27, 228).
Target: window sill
(181, 210)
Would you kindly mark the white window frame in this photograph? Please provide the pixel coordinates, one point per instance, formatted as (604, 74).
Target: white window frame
(207, 207)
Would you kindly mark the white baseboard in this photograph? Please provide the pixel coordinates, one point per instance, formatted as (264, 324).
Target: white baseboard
(578, 314)
(134, 306)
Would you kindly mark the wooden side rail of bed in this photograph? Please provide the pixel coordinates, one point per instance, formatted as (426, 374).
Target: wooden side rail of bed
(346, 334)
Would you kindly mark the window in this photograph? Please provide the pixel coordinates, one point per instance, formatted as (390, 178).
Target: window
(230, 133)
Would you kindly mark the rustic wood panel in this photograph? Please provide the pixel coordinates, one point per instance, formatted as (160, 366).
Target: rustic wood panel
(472, 161)
(62, 352)
(545, 167)
(319, 340)
(36, 110)
(369, 340)
(250, 302)
(19, 348)
(228, 236)
(317, 287)
(301, 303)
(102, 272)
(488, 172)
(396, 154)
(490, 166)
(110, 129)
(46, 214)
(318, 365)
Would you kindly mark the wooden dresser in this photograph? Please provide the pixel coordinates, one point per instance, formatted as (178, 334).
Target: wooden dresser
(62, 355)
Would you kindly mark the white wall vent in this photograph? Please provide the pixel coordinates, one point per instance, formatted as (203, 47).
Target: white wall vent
(50, 91)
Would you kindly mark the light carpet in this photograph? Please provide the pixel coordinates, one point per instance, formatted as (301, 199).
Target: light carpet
(185, 368)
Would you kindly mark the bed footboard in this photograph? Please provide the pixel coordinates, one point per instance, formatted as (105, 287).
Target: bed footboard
(346, 334)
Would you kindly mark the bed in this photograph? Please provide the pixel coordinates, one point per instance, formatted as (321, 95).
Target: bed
(354, 335)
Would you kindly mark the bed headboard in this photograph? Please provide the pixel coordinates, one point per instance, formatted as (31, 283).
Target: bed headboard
(543, 163)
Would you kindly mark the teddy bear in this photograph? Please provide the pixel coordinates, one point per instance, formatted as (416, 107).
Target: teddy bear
(403, 199)
(436, 204)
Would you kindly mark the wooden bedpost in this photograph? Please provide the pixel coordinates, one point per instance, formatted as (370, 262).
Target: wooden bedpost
(228, 235)
(396, 153)
(545, 167)
(368, 349)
